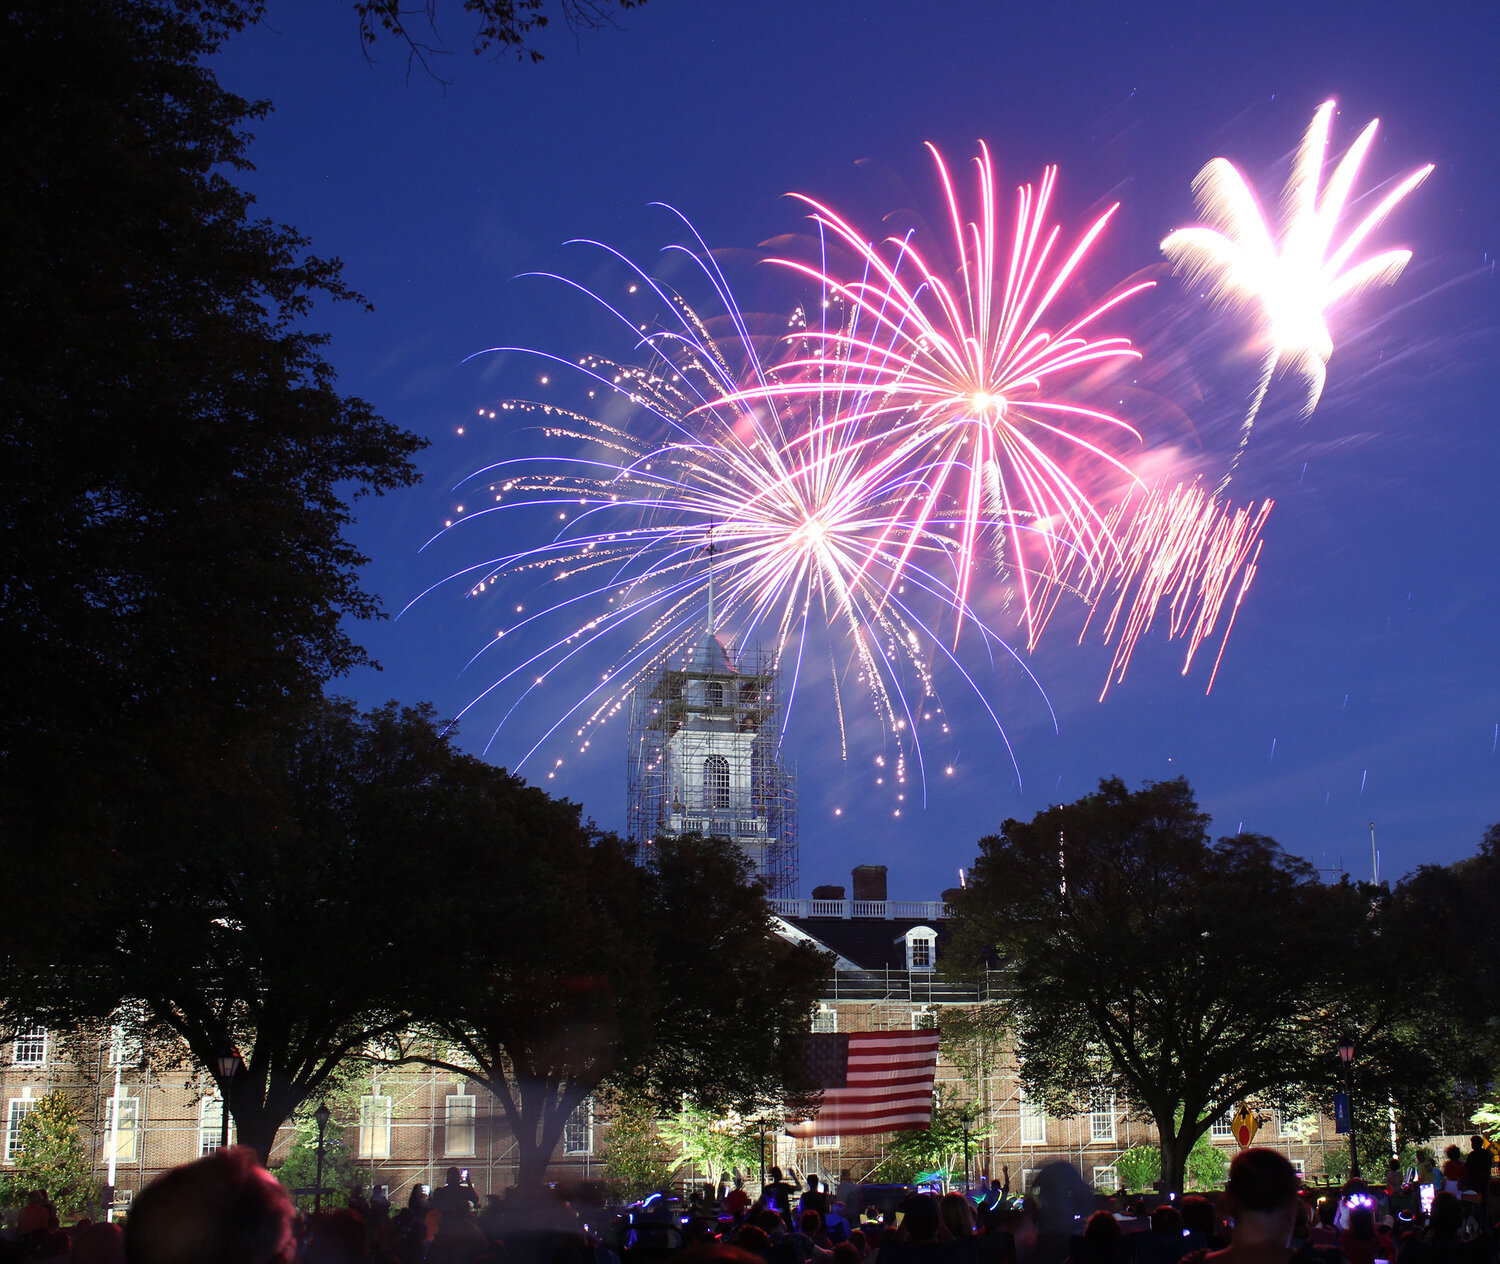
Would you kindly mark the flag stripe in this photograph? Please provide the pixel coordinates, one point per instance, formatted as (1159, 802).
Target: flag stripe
(887, 1085)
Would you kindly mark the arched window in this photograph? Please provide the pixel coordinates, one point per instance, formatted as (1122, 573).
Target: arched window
(715, 693)
(716, 781)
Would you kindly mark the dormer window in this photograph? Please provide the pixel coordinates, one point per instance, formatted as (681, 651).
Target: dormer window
(921, 949)
(714, 693)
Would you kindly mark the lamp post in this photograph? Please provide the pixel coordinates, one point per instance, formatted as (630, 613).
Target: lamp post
(321, 1115)
(228, 1064)
(1346, 1056)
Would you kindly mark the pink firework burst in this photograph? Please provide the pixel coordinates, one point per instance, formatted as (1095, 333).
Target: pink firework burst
(976, 378)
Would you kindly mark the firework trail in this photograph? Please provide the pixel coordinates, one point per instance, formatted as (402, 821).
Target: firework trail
(705, 509)
(964, 374)
(1182, 549)
(1296, 278)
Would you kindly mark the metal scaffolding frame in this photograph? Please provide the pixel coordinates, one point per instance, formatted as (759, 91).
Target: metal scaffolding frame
(764, 823)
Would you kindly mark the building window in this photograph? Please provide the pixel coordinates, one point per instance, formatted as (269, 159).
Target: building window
(210, 1124)
(1298, 1129)
(374, 1127)
(15, 1117)
(716, 781)
(459, 1123)
(1033, 1122)
(1222, 1128)
(578, 1132)
(1028, 1179)
(30, 1048)
(826, 1019)
(127, 1128)
(714, 693)
(923, 1019)
(825, 1143)
(921, 944)
(1106, 1180)
(1102, 1116)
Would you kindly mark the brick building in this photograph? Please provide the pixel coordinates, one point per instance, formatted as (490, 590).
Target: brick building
(410, 1124)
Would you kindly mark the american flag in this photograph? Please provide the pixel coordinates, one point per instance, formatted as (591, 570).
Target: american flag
(872, 1081)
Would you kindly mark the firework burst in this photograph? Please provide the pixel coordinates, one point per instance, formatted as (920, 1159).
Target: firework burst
(1180, 550)
(708, 508)
(971, 375)
(1295, 278)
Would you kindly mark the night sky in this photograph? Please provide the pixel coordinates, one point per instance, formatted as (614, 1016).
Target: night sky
(1362, 680)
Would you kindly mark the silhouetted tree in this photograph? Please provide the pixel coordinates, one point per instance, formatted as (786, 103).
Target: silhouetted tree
(573, 966)
(1150, 962)
(176, 463)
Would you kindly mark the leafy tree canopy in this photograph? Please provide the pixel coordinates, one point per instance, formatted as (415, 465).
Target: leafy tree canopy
(290, 927)
(574, 966)
(176, 461)
(1149, 960)
(49, 1154)
(496, 26)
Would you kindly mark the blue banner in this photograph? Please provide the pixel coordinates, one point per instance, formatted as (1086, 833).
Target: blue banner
(1341, 1112)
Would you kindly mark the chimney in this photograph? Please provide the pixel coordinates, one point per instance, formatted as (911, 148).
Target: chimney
(828, 893)
(869, 882)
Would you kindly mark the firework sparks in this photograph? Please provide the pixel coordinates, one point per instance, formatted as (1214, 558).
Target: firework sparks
(965, 374)
(705, 509)
(1191, 552)
(1179, 548)
(1297, 278)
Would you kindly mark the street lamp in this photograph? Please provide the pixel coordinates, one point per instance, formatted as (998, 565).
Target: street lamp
(229, 1064)
(321, 1115)
(1346, 1056)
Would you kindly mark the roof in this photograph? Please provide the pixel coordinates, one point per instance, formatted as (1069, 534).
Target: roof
(710, 657)
(869, 943)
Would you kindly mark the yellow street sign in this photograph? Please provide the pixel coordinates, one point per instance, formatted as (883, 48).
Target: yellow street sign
(1244, 1125)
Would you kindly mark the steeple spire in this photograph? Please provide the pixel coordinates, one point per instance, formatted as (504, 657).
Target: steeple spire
(711, 550)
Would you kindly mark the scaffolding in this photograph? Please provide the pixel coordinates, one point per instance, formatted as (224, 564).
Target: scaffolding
(687, 707)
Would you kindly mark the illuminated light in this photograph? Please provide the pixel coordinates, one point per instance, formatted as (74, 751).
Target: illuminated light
(815, 524)
(949, 770)
(460, 430)
(838, 811)
(1296, 278)
(545, 379)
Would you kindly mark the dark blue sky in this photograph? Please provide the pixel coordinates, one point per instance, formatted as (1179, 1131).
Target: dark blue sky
(1362, 681)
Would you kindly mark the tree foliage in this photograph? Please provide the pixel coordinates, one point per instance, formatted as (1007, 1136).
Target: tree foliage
(176, 461)
(289, 930)
(941, 1146)
(50, 1154)
(341, 1171)
(1150, 961)
(498, 26)
(638, 1160)
(662, 979)
(708, 1140)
